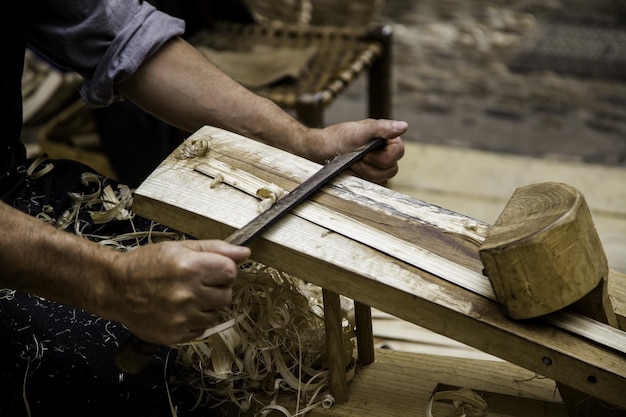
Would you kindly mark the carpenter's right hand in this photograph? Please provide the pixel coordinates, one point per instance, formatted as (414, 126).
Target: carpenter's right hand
(170, 292)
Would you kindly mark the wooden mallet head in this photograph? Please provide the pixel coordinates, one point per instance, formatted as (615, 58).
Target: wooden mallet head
(543, 253)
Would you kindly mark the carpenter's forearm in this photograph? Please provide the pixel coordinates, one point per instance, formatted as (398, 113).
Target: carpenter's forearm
(181, 87)
(39, 259)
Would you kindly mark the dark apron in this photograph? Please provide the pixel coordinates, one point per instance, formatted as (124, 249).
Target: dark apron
(57, 360)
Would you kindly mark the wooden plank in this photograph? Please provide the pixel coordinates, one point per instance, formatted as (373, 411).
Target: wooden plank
(393, 333)
(177, 195)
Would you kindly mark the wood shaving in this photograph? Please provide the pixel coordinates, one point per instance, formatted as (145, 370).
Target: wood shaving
(223, 173)
(470, 403)
(271, 342)
(104, 204)
(193, 148)
(30, 171)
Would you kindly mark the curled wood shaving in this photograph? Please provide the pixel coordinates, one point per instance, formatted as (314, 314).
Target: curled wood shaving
(7, 294)
(192, 148)
(88, 178)
(217, 180)
(271, 342)
(116, 205)
(43, 170)
(269, 194)
(221, 172)
(470, 403)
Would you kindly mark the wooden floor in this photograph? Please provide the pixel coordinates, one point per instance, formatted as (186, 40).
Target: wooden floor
(401, 384)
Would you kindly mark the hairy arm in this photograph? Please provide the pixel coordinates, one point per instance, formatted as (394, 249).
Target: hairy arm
(180, 86)
(42, 260)
(165, 293)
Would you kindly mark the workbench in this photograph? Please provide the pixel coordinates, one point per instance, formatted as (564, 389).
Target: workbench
(408, 258)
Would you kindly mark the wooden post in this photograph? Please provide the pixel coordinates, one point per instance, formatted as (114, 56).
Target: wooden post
(334, 347)
(379, 75)
(364, 333)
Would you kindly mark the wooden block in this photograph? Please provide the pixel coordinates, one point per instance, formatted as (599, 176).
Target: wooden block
(381, 248)
(543, 253)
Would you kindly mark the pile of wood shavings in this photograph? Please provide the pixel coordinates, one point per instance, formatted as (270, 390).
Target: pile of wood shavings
(103, 204)
(271, 345)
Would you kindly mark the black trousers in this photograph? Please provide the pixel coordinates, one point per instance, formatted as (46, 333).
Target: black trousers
(56, 360)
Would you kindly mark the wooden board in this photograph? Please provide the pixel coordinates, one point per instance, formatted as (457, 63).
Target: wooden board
(181, 197)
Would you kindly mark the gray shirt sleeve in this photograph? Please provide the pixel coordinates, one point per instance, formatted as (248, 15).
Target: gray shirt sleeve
(105, 41)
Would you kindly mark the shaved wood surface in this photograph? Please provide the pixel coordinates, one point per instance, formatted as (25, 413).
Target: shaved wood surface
(181, 197)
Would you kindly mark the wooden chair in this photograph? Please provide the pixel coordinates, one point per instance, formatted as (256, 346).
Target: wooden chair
(342, 54)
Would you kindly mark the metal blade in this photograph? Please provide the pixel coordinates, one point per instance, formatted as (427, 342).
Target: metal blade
(329, 171)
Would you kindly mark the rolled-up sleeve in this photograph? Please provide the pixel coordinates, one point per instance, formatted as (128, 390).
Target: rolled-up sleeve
(103, 40)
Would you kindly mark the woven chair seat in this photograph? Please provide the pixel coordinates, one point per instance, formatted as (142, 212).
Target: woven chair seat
(341, 55)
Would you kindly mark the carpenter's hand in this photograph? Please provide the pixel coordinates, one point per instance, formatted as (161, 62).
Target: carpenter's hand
(377, 166)
(170, 292)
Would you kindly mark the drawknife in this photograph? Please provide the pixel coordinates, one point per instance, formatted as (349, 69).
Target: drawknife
(133, 354)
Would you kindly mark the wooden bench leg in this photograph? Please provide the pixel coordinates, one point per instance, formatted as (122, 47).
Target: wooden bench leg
(334, 346)
(597, 305)
(310, 110)
(364, 333)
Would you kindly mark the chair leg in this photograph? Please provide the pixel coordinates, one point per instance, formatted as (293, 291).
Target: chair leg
(379, 74)
(334, 346)
(310, 110)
